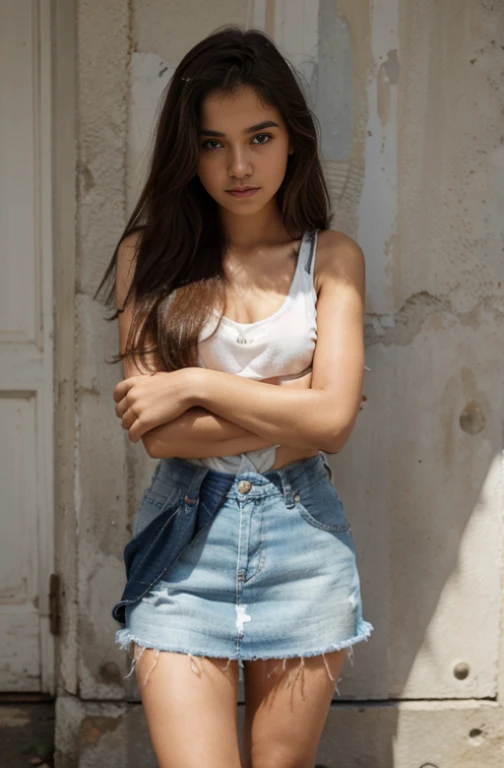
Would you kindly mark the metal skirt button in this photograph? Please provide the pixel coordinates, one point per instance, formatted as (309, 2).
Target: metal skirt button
(244, 486)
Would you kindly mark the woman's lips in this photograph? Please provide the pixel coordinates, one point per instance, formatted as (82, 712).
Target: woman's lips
(246, 193)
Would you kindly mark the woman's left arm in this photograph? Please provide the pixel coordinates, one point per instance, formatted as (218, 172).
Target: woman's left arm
(322, 417)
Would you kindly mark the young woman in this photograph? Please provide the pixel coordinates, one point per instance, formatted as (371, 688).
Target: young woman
(241, 335)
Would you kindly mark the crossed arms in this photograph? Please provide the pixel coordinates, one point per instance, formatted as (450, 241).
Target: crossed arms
(212, 420)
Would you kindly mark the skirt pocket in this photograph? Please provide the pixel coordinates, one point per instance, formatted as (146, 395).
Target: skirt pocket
(322, 507)
(152, 530)
(153, 503)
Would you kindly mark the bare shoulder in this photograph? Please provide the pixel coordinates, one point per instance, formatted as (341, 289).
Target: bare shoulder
(125, 266)
(339, 257)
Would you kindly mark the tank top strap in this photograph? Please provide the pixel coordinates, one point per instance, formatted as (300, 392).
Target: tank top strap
(311, 247)
(307, 253)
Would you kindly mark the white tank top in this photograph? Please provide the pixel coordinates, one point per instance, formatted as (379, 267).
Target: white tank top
(280, 345)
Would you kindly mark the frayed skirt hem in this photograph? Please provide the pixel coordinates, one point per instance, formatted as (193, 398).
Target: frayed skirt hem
(125, 639)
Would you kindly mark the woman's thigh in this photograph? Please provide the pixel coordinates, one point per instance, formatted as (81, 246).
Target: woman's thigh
(286, 709)
(190, 706)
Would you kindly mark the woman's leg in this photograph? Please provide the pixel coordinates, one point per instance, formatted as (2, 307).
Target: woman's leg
(190, 706)
(286, 709)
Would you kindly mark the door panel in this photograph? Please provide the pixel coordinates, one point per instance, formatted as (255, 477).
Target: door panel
(26, 402)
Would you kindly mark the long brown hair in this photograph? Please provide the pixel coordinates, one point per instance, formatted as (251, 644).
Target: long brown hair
(182, 242)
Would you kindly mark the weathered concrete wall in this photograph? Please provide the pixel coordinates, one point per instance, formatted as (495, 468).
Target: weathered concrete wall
(101, 487)
(450, 733)
(409, 94)
(65, 204)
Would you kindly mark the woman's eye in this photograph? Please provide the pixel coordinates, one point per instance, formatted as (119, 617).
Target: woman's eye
(264, 139)
(263, 136)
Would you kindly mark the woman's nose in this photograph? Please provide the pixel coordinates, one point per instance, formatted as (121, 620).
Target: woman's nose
(239, 164)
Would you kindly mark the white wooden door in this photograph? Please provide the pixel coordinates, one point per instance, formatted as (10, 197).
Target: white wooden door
(26, 331)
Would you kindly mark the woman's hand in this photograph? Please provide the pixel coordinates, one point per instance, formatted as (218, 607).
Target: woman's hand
(147, 401)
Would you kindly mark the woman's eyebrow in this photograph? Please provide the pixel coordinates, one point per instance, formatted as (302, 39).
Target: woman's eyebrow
(252, 129)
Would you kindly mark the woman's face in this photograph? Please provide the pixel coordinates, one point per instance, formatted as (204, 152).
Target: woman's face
(242, 143)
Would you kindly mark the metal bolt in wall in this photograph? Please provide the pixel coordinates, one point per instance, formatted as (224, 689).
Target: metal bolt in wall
(461, 670)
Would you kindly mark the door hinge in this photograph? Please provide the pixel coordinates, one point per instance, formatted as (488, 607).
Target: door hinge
(54, 603)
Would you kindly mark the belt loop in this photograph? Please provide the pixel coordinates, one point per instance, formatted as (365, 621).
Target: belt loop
(287, 489)
(326, 464)
(192, 493)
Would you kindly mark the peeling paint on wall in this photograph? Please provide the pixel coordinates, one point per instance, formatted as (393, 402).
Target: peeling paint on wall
(333, 83)
(150, 76)
(93, 728)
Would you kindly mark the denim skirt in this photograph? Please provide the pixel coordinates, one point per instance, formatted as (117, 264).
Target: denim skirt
(273, 575)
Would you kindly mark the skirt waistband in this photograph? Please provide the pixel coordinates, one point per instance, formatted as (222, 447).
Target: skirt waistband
(197, 480)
